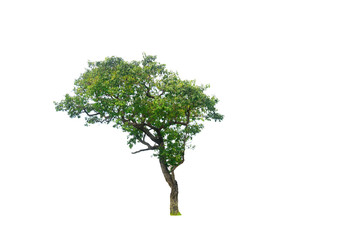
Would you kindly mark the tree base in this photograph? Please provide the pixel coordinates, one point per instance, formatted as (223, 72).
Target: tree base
(175, 214)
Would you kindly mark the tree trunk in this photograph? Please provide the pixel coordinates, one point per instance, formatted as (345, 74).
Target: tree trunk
(170, 179)
(174, 209)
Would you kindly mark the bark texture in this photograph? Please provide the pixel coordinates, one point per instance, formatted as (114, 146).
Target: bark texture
(170, 179)
(174, 208)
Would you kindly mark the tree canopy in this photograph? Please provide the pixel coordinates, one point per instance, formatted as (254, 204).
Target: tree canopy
(145, 100)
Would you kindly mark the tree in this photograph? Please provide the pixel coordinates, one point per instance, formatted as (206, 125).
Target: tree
(152, 104)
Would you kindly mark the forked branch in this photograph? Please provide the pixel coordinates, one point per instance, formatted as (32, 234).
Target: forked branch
(147, 149)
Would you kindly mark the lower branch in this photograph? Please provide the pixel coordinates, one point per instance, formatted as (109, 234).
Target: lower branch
(146, 149)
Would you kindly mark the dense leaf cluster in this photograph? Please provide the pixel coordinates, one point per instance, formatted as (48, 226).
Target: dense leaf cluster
(145, 100)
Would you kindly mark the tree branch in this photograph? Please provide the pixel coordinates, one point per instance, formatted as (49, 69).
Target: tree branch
(142, 150)
(174, 122)
(147, 149)
(149, 95)
(144, 142)
(177, 122)
(148, 133)
(152, 127)
(147, 144)
(90, 115)
(148, 92)
(143, 128)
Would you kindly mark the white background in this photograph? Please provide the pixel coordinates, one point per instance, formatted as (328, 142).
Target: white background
(284, 163)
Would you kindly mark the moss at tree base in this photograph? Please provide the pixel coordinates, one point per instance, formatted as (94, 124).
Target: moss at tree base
(175, 214)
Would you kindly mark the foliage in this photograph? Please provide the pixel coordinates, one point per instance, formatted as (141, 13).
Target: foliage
(145, 100)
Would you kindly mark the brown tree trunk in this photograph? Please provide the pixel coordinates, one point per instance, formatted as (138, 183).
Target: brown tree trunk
(170, 179)
(174, 209)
